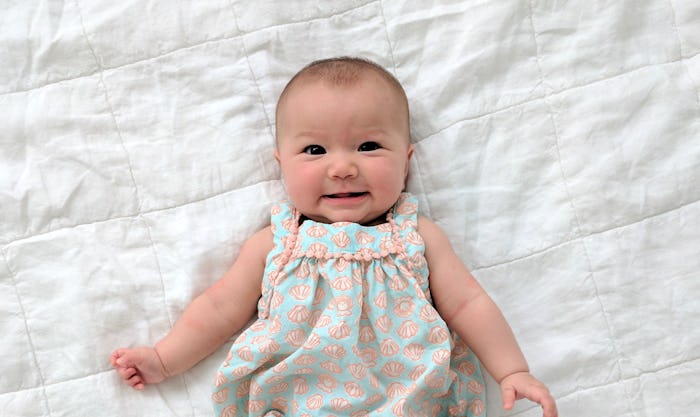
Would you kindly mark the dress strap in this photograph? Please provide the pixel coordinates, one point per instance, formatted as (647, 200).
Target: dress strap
(284, 220)
(405, 216)
(405, 219)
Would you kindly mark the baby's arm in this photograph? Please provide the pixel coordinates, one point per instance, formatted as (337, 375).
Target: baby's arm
(205, 325)
(468, 310)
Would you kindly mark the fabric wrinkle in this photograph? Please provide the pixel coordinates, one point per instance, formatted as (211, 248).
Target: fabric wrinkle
(346, 324)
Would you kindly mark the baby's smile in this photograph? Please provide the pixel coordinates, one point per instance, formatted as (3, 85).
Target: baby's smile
(346, 195)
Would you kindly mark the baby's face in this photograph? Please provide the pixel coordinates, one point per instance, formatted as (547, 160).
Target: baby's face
(343, 150)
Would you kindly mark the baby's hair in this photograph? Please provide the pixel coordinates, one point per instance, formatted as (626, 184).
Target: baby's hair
(343, 71)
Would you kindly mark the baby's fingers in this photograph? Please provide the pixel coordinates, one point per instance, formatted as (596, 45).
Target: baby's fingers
(131, 377)
(136, 382)
(127, 358)
(113, 357)
(122, 358)
(549, 407)
(541, 395)
(125, 373)
(508, 396)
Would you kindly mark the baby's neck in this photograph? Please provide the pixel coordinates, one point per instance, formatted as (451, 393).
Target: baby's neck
(383, 218)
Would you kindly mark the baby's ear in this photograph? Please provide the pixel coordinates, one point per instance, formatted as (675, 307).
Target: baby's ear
(277, 155)
(408, 160)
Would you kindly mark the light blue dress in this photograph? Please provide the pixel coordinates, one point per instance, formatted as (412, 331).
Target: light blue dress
(346, 327)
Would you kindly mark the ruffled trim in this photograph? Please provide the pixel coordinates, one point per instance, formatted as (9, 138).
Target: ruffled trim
(348, 241)
(365, 245)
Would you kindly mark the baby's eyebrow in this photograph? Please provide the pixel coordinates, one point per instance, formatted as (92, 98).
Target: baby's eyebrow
(309, 134)
(374, 131)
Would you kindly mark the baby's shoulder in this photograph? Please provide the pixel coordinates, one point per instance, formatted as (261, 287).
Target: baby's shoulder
(260, 243)
(427, 227)
(433, 236)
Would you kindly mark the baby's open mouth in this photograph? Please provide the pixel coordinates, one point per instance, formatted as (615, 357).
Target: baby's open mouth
(345, 195)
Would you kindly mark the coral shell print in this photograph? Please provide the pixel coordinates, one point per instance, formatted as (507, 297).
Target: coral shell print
(395, 389)
(326, 383)
(428, 313)
(220, 397)
(367, 334)
(364, 238)
(340, 331)
(301, 386)
(296, 337)
(341, 239)
(353, 389)
(220, 379)
(438, 335)
(417, 372)
(304, 359)
(407, 329)
(477, 407)
(314, 402)
(230, 411)
(384, 323)
(342, 283)
(441, 356)
(245, 353)
(334, 351)
(331, 367)
(347, 328)
(414, 351)
(256, 405)
(299, 314)
(393, 369)
(358, 370)
(388, 347)
(475, 387)
(300, 292)
(316, 231)
(340, 404)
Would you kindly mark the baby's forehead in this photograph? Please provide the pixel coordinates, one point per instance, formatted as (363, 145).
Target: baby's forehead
(343, 74)
(346, 82)
(380, 82)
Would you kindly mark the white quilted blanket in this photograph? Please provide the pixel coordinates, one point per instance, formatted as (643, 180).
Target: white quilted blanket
(558, 143)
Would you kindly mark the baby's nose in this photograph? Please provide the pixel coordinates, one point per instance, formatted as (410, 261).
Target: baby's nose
(342, 168)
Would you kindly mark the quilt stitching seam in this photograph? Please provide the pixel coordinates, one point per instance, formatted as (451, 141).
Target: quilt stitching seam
(589, 264)
(419, 178)
(421, 189)
(563, 395)
(133, 179)
(388, 37)
(610, 384)
(681, 54)
(109, 105)
(250, 68)
(183, 47)
(30, 340)
(570, 241)
(552, 93)
(421, 185)
(314, 19)
(242, 34)
(139, 214)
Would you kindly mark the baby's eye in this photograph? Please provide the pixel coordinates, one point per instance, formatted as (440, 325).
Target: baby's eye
(314, 150)
(369, 146)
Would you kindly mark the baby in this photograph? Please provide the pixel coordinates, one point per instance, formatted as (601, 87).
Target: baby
(363, 307)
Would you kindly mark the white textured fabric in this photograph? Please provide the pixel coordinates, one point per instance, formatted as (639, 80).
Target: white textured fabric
(557, 143)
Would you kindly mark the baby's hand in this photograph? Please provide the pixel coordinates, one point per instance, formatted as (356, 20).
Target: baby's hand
(138, 366)
(523, 385)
